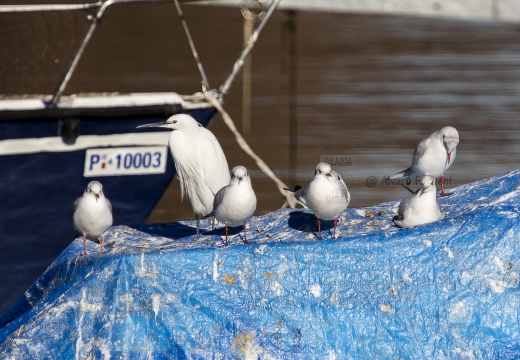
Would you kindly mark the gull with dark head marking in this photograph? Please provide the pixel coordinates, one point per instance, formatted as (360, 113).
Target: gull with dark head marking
(92, 215)
(326, 195)
(236, 202)
(199, 160)
(420, 207)
(433, 156)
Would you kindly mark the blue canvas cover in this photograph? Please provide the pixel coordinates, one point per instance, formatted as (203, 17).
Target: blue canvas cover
(443, 290)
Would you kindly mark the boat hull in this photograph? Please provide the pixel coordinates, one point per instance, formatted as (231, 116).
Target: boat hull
(42, 176)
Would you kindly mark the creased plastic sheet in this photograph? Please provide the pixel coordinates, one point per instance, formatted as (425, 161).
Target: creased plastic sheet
(444, 290)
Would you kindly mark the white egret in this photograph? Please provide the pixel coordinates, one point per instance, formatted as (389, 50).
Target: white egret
(199, 161)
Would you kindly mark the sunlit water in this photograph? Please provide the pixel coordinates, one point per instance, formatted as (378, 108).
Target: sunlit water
(368, 90)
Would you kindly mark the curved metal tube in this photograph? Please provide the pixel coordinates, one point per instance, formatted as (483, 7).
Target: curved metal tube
(102, 6)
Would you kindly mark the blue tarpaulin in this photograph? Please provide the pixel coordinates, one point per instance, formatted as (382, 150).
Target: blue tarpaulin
(449, 289)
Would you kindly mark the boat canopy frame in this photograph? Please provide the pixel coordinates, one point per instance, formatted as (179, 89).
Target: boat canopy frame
(95, 17)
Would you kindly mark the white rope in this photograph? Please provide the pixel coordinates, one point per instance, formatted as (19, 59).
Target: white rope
(290, 200)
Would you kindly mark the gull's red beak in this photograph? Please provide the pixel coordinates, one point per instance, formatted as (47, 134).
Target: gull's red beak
(449, 157)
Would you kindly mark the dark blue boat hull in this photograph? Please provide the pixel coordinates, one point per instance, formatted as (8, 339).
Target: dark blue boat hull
(39, 189)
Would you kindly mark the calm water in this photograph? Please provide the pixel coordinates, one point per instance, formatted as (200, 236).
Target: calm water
(366, 88)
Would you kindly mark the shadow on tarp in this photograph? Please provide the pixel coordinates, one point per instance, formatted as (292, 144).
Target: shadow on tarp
(178, 231)
(306, 222)
(174, 230)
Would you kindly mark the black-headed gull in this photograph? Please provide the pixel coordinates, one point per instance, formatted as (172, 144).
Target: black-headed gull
(420, 207)
(92, 215)
(199, 160)
(236, 202)
(326, 195)
(321, 168)
(433, 156)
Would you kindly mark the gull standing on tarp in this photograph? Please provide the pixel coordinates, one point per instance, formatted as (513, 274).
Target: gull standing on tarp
(420, 207)
(236, 202)
(199, 161)
(92, 214)
(326, 195)
(433, 156)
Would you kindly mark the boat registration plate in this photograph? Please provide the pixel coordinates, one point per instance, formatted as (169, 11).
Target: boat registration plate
(140, 160)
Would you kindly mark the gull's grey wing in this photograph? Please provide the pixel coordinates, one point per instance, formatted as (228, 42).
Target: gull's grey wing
(346, 194)
(403, 206)
(402, 174)
(343, 187)
(420, 150)
(219, 196)
(301, 194)
(75, 205)
(417, 154)
(399, 223)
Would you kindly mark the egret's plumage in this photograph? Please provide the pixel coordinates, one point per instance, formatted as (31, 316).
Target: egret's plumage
(236, 202)
(421, 207)
(199, 161)
(92, 214)
(433, 156)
